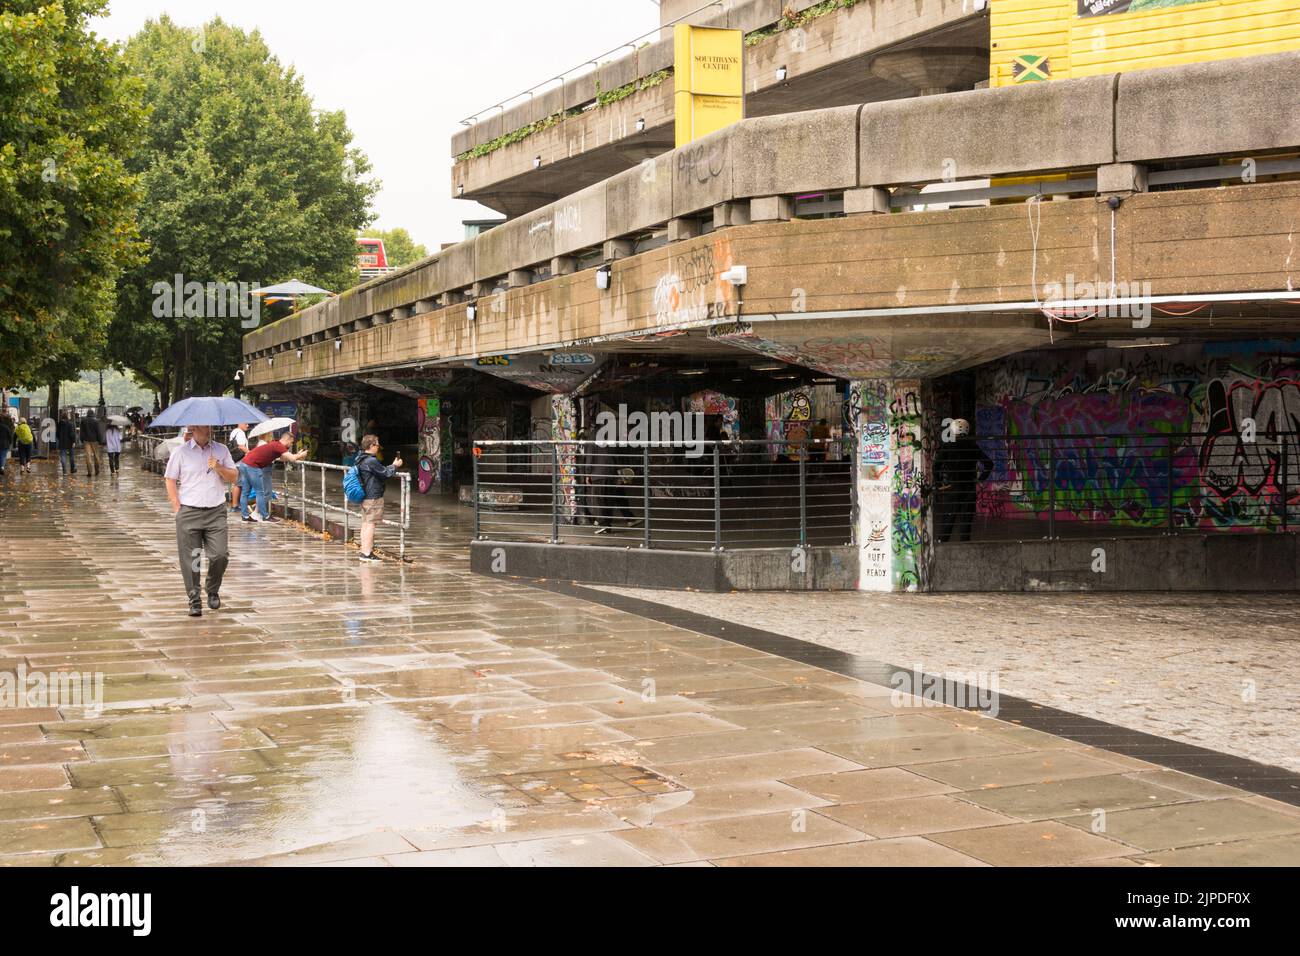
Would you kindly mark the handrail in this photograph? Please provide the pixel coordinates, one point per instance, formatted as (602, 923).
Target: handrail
(473, 117)
(402, 524)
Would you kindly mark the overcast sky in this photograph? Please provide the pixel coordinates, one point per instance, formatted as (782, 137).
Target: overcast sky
(407, 71)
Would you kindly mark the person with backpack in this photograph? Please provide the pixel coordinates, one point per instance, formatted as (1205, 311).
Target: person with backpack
(6, 438)
(238, 449)
(372, 475)
(24, 438)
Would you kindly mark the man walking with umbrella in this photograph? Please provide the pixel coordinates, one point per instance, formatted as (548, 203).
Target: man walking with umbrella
(197, 474)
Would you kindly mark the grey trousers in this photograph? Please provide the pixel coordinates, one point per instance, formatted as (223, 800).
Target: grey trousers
(199, 531)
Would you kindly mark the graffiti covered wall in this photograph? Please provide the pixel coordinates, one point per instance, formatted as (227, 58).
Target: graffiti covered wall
(1220, 420)
(892, 517)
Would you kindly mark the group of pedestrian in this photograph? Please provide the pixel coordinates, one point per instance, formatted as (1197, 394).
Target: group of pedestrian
(99, 439)
(198, 474)
(15, 437)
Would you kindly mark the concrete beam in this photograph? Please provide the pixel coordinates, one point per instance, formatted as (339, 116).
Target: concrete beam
(771, 209)
(563, 265)
(870, 201)
(1121, 179)
(680, 229)
(619, 249)
(730, 214)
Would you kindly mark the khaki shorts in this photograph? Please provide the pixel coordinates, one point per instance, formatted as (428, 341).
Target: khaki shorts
(372, 511)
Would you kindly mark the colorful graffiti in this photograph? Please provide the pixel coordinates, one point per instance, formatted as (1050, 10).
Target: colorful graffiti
(911, 538)
(565, 429)
(429, 426)
(1189, 436)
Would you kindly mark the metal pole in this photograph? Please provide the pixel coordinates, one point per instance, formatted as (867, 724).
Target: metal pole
(406, 504)
(1051, 489)
(555, 493)
(323, 529)
(1169, 481)
(717, 500)
(803, 500)
(1284, 488)
(478, 503)
(347, 521)
(645, 493)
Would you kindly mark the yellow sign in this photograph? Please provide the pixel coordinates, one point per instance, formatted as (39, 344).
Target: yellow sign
(1073, 38)
(710, 75)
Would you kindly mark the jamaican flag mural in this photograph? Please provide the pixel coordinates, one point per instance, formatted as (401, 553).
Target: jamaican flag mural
(1100, 8)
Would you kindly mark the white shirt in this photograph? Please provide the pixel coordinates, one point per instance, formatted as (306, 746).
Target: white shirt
(239, 437)
(200, 486)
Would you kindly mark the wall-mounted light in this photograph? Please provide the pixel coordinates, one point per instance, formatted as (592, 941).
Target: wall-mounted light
(270, 361)
(640, 125)
(460, 190)
(603, 277)
(471, 312)
(781, 74)
(537, 162)
(338, 343)
(736, 275)
(300, 353)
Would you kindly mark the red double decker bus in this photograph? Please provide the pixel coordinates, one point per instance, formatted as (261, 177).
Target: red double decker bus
(371, 258)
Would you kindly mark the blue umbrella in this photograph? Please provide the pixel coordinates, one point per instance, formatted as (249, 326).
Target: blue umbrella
(207, 411)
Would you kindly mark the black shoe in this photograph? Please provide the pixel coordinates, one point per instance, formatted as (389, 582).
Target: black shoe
(196, 609)
(214, 601)
(369, 557)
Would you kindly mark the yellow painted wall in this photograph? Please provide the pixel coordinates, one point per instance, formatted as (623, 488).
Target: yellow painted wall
(1139, 39)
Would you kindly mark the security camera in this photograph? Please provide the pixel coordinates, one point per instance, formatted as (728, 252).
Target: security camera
(1114, 202)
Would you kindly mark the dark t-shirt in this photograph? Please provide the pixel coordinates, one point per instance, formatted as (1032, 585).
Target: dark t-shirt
(264, 454)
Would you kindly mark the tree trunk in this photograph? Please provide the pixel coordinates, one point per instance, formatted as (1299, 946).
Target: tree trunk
(55, 389)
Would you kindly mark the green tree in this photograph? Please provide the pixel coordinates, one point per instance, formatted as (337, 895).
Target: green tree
(399, 248)
(244, 181)
(69, 113)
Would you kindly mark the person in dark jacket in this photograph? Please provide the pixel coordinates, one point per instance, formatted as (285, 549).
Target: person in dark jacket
(92, 439)
(65, 436)
(373, 475)
(6, 438)
(959, 466)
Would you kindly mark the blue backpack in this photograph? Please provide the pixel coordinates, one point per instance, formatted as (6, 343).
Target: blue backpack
(352, 486)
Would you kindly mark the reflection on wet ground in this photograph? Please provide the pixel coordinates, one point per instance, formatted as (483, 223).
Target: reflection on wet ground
(418, 715)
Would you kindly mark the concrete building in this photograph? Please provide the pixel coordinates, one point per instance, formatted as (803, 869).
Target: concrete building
(1098, 273)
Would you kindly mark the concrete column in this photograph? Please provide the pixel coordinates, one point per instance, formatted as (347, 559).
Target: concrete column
(730, 214)
(891, 519)
(563, 265)
(564, 427)
(1121, 179)
(870, 201)
(431, 426)
(618, 249)
(679, 229)
(771, 209)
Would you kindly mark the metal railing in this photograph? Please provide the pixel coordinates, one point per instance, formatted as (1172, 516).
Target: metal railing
(703, 496)
(1054, 485)
(294, 475)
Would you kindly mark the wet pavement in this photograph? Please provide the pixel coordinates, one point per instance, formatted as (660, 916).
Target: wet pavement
(417, 715)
